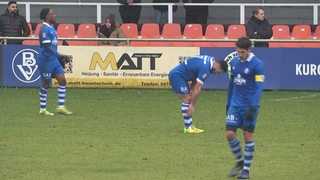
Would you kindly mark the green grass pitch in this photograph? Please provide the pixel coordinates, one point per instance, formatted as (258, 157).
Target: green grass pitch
(138, 134)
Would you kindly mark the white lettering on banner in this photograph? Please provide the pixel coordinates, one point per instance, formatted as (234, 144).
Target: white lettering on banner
(308, 69)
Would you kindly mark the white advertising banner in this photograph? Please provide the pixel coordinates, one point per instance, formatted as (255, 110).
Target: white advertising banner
(122, 67)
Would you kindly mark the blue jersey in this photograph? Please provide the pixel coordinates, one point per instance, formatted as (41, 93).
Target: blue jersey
(246, 82)
(194, 68)
(48, 35)
(48, 62)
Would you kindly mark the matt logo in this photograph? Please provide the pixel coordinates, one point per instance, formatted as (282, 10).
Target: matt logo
(125, 62)
(24, 66)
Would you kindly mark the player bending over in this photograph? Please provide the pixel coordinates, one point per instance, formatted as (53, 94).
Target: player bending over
(195, 69)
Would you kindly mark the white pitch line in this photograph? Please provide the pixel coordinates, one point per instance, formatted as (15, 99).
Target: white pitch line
(298, 97)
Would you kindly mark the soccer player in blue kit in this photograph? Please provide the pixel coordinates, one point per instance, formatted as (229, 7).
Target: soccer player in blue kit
(195, 69)
(244, 92)
(49, 66)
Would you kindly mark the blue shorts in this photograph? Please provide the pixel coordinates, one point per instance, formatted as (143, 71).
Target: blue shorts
(49, 69)
(179, 85)
(237, 118)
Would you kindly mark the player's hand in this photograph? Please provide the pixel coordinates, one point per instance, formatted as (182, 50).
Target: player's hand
(251, 112)
(190, 110)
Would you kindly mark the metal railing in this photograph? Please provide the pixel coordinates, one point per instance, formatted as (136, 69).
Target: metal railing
(128, 40)
(242, 7)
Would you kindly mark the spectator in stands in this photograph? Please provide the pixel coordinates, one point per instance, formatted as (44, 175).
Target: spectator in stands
(111, 29)
(161, 12)
(12, 24)
(129, 13)
(197, 14)
(258, 27)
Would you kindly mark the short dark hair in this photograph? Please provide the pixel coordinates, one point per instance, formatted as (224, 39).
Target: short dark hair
(223, 65)
(244, 43)
(12, 2)
(256, 11)
(44, 13)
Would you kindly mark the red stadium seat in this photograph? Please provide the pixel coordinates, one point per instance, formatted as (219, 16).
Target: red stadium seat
(213, 31)
(86, 31)
(282, 32)
(191, 31)
(317, 32)
(169, 31)
(148, 30)
(234, 31)
(66, 31)
(303, 32)
(130, 30)
(35, 34)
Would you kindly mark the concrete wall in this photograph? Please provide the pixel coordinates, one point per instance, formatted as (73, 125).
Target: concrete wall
(223, 15)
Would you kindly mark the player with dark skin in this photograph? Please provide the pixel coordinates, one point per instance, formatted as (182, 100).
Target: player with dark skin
(51, 19)
(51, 63)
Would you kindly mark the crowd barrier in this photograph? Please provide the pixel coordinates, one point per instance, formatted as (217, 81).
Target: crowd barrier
(242, 7)
(148, 67)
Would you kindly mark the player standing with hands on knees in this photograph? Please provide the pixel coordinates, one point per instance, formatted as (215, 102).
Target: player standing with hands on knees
(50, 63)
(195, 69)
(244, 92)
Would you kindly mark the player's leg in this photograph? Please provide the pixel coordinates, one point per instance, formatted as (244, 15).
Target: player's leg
(61, 92)
(248, 132)
(45, 70)
(180, 87)
(232, 123)
(189, 127)
(43, 93)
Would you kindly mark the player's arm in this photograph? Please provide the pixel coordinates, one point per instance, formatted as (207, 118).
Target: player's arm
(195, 89)
(259, 80)
(49, 48)
(230, 89)
(46, 42)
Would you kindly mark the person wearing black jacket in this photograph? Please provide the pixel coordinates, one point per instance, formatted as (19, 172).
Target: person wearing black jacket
(128, 13)
(13, 25)
(161, 12)
(197, 14)
(258, 27)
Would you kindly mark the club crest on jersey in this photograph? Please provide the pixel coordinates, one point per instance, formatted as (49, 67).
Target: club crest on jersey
(24, 66)
(239, 80)
(246, 70)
